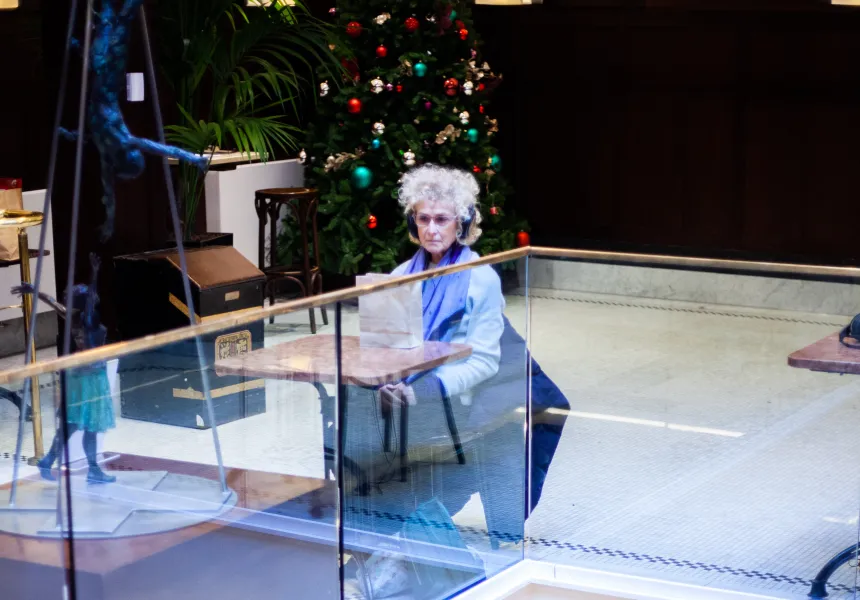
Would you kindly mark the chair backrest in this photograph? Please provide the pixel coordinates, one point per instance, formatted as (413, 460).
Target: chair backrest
(303, 203)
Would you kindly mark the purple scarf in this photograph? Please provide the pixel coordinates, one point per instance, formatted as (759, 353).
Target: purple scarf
(444, 297)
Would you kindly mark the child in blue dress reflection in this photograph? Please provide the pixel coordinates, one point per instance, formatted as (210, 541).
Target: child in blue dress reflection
(89, 404)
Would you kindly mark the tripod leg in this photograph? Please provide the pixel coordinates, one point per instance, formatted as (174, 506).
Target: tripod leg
(180, 248)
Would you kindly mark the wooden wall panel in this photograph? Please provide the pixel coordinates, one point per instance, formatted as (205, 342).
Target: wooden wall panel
(703, 128)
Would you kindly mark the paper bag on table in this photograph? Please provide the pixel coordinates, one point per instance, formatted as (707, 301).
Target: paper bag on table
(390, 318)
(10, 199)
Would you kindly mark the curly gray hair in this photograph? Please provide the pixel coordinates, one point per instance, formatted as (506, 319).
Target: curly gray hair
(435, 183)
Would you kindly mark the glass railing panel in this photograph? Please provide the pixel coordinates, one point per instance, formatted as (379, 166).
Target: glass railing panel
(711, 439)
(180, 493)
(434, 392)
(34, 559)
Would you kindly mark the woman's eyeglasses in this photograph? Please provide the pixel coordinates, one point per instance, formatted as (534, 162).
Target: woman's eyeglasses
(440, 220)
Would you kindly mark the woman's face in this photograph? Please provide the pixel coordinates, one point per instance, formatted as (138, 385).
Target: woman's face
(437, 226)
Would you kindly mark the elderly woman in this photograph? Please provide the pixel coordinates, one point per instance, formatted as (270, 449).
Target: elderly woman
(466, 307)
(480, 397)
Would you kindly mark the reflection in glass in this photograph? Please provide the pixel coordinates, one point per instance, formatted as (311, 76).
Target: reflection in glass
(436, 430)
(695, 442)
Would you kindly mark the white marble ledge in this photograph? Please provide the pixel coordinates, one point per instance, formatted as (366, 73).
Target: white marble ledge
(815, 297)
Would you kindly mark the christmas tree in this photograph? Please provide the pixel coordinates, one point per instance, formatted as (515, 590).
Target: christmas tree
(415, 91)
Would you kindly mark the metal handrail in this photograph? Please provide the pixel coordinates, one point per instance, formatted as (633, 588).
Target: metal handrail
(821, 272)
(120, 349)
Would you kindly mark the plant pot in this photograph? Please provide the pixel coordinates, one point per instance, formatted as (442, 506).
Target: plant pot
(204, 240)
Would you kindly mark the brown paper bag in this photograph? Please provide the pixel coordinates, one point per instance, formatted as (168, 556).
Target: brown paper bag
(12, 199)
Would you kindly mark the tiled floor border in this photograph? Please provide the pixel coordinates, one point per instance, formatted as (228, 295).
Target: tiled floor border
(699, 310)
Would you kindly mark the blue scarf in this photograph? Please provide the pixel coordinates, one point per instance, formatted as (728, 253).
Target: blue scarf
(444, 298)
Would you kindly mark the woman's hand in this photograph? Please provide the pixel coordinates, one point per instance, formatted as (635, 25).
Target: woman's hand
(396, 393)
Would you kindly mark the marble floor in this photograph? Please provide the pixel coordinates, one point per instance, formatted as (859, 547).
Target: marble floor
(693, 452)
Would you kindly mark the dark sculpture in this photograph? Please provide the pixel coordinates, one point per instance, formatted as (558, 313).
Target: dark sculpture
(121, 153)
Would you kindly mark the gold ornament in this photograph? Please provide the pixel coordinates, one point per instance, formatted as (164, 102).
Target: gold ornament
(406, 67)
(492, 125)
(450, 132)
(337, 161)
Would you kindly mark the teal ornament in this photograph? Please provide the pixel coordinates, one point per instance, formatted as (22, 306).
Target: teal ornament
(362, 178)
(420, 69)
(453, 14)
(496, 162)
(472, 135)
(376, 144)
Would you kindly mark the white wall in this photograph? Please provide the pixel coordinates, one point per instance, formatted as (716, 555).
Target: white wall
(230, 199)
(11, 276)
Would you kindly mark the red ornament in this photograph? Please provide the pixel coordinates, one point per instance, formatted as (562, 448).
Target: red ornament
(481, 109)
(353, 105)
(464, 34)
(481, 87)
(399, 88)
(381, 51)
(371, 222)
(460, 24)
(353, 29)
(523, 239)
(494, 210)
(476, 169)
(452, 87)
(352, 67)
(411, 24)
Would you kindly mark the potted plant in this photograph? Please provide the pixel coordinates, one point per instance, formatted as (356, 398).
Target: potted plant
(238, 70)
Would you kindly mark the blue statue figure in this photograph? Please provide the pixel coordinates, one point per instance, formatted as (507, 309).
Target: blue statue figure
(121, 152)
(89, 406)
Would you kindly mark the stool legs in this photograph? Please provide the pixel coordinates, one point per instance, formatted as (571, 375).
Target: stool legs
(272, 302)
(313, 321)
(27, 304)
(274, 213)
(319, 289)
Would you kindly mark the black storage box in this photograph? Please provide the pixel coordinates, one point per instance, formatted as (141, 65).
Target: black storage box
(165, 385)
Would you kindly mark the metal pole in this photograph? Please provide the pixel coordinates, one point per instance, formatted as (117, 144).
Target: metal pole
(180, 249)
(340, 443)
(63, 425)
(43, 237)
(27, 304)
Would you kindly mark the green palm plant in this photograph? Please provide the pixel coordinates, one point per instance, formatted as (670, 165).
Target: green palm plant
(239, 75)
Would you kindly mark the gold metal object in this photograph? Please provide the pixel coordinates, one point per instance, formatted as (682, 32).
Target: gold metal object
(240, 319)
(245, 386)
(20, 218)
(27, 302)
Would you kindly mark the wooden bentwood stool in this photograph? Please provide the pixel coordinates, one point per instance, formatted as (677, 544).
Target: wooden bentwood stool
(303, 203)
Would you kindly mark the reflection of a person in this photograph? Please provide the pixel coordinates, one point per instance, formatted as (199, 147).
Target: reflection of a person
(486, 391)
(89, 405)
